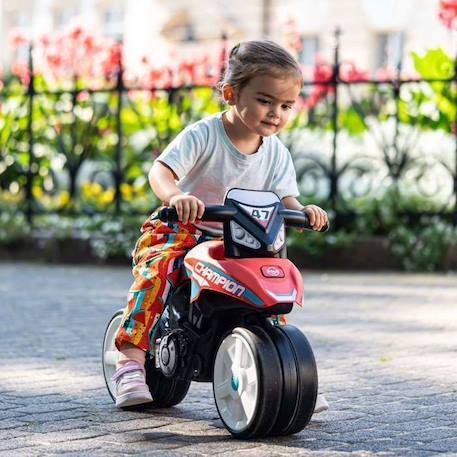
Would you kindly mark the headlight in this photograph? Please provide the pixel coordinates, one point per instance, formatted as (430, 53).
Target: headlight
(279, 241)
(241, 236)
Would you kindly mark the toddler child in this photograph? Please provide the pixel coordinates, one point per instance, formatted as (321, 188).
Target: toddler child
(234, 148)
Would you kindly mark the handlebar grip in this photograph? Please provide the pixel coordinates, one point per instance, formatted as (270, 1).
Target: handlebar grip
(299, 219)
(168, 214)
(214, 213)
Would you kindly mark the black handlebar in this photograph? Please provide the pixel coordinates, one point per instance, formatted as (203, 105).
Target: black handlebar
(221, 213)
(298, 219)
(214, 213)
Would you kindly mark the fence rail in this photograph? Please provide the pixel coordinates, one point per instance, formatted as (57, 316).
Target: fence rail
(332, 173)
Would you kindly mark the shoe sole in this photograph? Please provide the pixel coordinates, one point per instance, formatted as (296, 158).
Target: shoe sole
(320, 410)
(132, 399)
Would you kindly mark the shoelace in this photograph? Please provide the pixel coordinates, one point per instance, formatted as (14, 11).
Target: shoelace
(135, 375)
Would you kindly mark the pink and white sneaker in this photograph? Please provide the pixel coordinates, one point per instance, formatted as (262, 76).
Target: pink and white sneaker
(321, 404)
(131, 387)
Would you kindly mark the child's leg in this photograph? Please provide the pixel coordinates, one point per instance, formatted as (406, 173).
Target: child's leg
(130, 353)
(156, 258)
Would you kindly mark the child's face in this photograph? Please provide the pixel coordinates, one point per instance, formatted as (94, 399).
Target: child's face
(265, 102)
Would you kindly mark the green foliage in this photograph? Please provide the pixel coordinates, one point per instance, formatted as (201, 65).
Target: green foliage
(76, 146)
(13, 227)
(109, 236)
(380, 214)
(419, 243)
(77, 129)
(423, 247)
(316, 244)
(434, 105)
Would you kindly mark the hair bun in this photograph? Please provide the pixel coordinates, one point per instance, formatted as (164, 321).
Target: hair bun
(235, 49)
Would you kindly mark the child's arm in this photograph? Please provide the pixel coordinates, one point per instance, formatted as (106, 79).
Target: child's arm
(317, 216)
(162, 181)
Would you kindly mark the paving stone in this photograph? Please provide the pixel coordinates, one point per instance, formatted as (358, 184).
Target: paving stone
(384, 344)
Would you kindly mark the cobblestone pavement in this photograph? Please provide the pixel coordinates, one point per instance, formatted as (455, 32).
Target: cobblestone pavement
(385, 346)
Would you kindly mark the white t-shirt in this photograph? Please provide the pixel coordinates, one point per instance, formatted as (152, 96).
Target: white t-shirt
(207, 165)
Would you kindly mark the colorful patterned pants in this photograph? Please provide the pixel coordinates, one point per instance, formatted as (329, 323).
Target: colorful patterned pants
(157, 260)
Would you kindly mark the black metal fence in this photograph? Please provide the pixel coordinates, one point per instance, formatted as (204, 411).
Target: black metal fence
(337, 177)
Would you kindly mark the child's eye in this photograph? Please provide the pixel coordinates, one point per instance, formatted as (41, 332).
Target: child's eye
(287, 107)
(264, 101)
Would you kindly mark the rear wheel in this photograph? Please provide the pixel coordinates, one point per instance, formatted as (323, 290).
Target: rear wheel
(110, 354)
(165, 392)
(300, 380)
(247, 382)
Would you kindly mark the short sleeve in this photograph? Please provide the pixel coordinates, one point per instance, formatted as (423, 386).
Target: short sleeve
(285, 179)
(183, 152)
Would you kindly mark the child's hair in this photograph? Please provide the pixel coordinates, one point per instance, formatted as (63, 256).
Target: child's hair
(255, 58)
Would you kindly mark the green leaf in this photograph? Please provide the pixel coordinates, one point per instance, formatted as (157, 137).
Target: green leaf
(435, 64)
(352, 122)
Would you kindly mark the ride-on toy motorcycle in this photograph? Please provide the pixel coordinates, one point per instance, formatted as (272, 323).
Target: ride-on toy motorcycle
(217, 326)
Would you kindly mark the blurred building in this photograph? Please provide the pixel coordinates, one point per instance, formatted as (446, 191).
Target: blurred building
(374, 32)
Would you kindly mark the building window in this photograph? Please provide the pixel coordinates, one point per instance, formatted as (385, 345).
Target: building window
(390, 47)
(113, 22)
(180, 27)
(22, 22)
(62, 18)
(309, 49)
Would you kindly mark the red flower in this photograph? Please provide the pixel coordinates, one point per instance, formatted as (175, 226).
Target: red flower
(21, 70)
(349, 72)
(386, 74)
(323, 74)
(83, 97)
(448, 13)
(75, 32)
(17, 38)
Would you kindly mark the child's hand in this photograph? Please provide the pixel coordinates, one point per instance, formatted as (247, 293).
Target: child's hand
(318, 218)
(188, 207)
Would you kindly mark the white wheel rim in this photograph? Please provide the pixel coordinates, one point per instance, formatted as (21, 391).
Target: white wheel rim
(110, 353)
(236, 383)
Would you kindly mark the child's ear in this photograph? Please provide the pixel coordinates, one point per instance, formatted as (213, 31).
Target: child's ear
(228, 92)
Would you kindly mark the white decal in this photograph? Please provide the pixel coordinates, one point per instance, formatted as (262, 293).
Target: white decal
(263, 215)
(217, 279)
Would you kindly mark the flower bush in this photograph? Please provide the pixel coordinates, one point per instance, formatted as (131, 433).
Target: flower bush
(448, 13)
(97, 129)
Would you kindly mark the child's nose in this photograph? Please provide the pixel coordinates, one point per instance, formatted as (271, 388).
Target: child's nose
(275, 111)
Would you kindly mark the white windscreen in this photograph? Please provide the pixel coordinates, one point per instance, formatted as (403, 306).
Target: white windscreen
(253, 197)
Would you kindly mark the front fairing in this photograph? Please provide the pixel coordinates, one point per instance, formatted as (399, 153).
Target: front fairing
(242, 278)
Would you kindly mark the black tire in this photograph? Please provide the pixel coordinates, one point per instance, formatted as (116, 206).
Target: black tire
(267, 400)
(165, 392)
(108, 344)
(300, 380)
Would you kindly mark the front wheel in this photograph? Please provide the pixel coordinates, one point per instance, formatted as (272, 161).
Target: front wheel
(300, 379)
(247, 382)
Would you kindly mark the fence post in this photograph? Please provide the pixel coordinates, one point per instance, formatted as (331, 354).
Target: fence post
(334, 83)
(223, 55)
(396, 167)
(31, 168)
(455, 135)
(120, 88)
